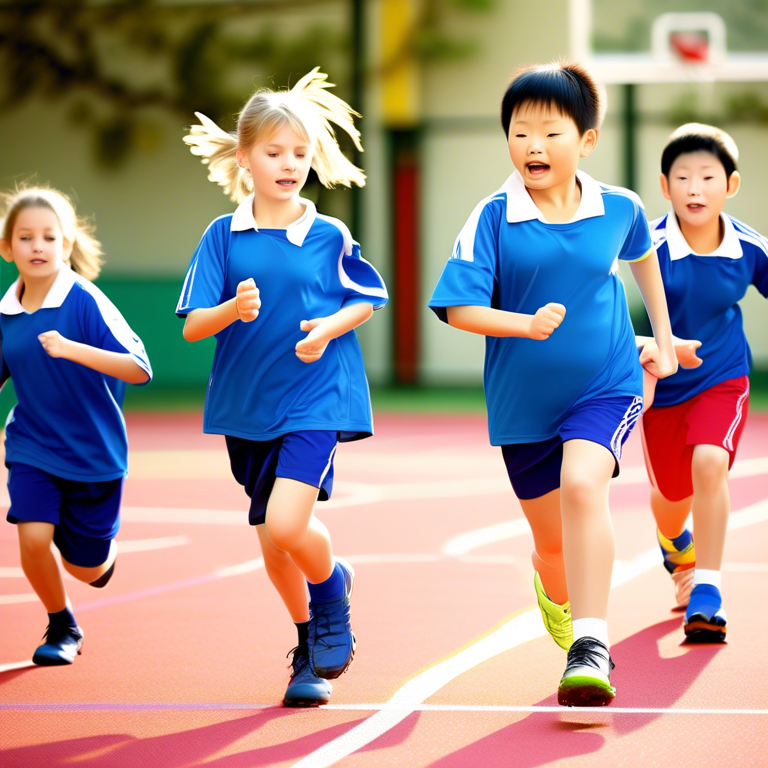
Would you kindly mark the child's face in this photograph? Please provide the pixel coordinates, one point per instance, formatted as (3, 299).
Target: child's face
(37, 244)
(698, 188)
(545, 145)
(279, 164)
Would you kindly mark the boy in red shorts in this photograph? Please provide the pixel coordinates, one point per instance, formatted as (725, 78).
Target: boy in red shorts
(708, 259)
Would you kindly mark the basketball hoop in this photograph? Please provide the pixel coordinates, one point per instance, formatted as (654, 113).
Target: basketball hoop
(690, 47)
(689, 38)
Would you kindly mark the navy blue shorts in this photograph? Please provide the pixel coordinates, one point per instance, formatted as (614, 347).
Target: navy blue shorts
(303, 456)
(86, 516)
(534, 468)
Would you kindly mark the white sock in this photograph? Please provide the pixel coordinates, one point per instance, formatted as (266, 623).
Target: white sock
(703, 576)
(597, 628)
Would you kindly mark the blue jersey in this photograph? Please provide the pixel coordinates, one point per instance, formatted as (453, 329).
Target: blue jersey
(258, 388)
(507, 257)
(702, 295)
(67, 421)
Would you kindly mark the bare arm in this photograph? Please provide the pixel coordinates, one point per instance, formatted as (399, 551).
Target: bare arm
(205, 322)
(487, 321)
(322, 330)
(121, 365)
(648, 278)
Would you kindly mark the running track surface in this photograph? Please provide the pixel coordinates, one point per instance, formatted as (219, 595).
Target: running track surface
(184, 655)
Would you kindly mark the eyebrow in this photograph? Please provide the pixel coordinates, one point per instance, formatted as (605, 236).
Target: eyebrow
(545, 122)
(280, 146)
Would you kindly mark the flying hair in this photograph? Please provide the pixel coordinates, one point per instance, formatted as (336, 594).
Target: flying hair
(309, 108)
(86, 256)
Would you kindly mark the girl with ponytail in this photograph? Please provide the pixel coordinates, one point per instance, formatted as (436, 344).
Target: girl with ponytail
(282, 288)
(68, 350)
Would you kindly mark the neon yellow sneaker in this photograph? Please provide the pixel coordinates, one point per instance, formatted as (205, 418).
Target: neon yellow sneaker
(680, 564)
(557, 618)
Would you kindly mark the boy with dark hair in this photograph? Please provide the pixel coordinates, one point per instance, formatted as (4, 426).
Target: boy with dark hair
(708, 259)
(560, 410)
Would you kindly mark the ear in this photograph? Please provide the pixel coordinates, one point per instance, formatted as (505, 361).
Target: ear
(5, 251)
(733, 184)
(664, 181)
(67, 249)
(241, 159)
(589, 141)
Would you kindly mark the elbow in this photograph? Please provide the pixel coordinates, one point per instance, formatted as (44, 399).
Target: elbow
(188, 333)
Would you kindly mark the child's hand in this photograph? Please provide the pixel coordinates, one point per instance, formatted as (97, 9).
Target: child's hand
(248, 301)
(310, 349)
(685, 349)
(545, 321)
(54, 343)
(655, 363)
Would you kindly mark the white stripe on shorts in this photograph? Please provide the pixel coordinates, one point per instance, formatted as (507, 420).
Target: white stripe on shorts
(631, 415)
(728, 442)
(328, 465)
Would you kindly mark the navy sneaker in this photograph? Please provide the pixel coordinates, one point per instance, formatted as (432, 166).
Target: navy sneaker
(305, 689)
(61, 646)
(331, 640)
(705, 617)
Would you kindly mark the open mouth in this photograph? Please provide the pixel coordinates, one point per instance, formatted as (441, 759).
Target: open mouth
(288, 183)
(38, 261)
(695, 207)
(537, 169)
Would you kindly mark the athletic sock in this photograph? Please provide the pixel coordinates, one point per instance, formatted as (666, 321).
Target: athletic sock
(683, 540)
(63, 618)
(330, 589)
(103, 580)
(303, 630)
(704, 576)
(597, 628)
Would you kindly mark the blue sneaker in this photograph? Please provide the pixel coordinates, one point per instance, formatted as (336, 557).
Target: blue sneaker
(304, 688)
(705, 618)
(331, 640)
(61, 646)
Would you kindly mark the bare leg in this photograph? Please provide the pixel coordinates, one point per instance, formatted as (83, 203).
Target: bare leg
(40, 566)
(670, 515)
(588, 539)
(81, 573)
(288, 580)
(293, 528)
(543, 515)
(711, 504)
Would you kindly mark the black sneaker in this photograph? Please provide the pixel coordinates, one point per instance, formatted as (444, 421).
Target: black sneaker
(586, 681)
(61, 646)
(331, 640)
(305, 689)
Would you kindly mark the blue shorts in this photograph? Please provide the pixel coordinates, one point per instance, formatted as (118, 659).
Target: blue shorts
(303, 456)
(534, 468)
(86, 516)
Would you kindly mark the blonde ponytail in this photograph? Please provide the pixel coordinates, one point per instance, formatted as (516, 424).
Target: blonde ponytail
(86, 256)
(308, 108)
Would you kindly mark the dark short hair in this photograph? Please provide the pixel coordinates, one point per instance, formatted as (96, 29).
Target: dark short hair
(697, 137)
(564, 85)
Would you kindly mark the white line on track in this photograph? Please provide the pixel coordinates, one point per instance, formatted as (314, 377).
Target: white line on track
(523, 627)
(16, 665)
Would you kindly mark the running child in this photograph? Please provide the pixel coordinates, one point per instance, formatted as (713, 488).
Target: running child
(534, 270)
(288, 381)
(691, 434)
(68, 350)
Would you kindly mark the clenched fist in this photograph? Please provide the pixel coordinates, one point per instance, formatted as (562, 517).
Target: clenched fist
(53, 343)
(545, 321)
(248, 301)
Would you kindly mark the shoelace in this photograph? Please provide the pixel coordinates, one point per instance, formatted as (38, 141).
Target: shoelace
(324, 618)
(582, 654)
(300, 659)
(54, 634)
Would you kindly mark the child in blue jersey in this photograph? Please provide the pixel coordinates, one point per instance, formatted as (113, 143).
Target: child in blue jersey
(68, 350)
(691, 433)
(534, 270)
(282, 287)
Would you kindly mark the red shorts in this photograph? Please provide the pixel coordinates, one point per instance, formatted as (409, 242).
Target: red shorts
(715, 416)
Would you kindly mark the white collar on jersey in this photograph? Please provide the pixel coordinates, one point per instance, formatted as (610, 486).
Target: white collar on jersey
(296, 231)
(729, 248)
(10, 304)
(520, 206)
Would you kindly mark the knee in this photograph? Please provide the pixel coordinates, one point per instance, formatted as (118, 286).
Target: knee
(578, 493)
(709, 469)
(34, 546)
(285, 535)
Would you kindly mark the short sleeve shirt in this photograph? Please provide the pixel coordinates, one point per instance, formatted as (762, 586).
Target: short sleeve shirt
(68, 419)
(258, 388)
(507, 257)
(702, 293)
